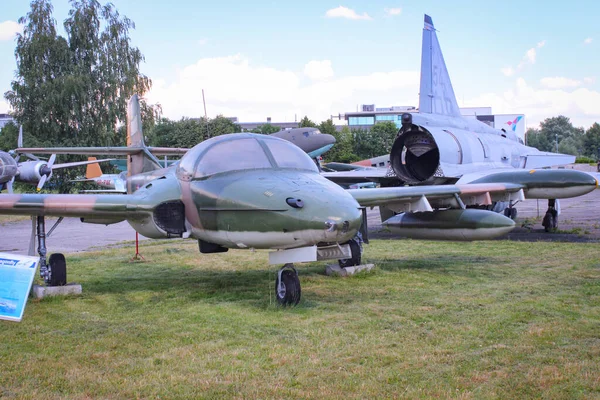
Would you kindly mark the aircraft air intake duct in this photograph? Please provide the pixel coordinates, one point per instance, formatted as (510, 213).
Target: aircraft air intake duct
(464, 225)
(415, 156)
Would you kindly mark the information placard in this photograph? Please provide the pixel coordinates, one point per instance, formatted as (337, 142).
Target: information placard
(16, 277)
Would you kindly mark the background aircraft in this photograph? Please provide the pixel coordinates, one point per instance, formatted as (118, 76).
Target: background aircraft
(438, 145)
(256, 191)
(109, 183)
(33, 171)
(311, 140)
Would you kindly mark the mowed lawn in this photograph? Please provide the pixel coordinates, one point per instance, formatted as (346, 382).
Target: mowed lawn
(491, 319)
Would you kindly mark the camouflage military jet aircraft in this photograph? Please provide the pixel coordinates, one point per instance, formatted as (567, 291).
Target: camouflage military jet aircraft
(245, 191)
(254, 191)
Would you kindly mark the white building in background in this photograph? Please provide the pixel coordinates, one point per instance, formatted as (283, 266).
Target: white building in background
(5, 119)
(369, 115)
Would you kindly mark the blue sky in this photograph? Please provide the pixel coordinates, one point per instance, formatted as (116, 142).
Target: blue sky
(318, 58)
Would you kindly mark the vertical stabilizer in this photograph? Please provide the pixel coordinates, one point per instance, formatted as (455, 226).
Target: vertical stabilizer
(93, 170)
(436, 94)
(143, 161)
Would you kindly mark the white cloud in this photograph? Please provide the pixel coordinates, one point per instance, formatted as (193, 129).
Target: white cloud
(8, 30)
(202, 42)
(589, 80)
(508, 71)
(528, 59)
(580, 104)
(530, 55)
(559, 82)
(235, 87)
(345, 12)
(587, 40)
(317, 70)
(393, 11)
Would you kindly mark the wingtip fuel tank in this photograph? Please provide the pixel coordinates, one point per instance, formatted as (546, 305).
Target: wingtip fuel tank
(460, 225)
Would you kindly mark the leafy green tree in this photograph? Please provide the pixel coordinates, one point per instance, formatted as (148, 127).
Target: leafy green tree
(591, 141)
(557, 130)
(73, 90)
(8, 137)
(266, 129)
(343, 149)
(363, 145)
(383, 135)
(306, 123)
(188, 132)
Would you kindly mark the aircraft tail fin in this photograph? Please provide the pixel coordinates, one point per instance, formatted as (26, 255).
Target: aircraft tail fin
(436, 94)
(92, 170)
(144, 161)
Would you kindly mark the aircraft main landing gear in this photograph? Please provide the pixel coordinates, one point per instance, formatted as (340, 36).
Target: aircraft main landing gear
(550, 221)
(356, 251)
(287, 286)
(54, 270)
(511, 211)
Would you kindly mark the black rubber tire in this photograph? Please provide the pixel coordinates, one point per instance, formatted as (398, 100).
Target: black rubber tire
(58, 269)
(293, 292)
(356, 256)
(550, 221)
(513, 213)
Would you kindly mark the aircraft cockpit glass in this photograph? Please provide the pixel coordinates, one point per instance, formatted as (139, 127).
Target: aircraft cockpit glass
(288, 155)
(232, 155)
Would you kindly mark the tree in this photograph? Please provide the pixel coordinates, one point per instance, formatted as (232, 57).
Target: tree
(306, 123)
(266, 129)
(188, 132)
(8, 137)
(343, 149)
(591, 141)
(383, 135)
(73, 90)
(557, 130)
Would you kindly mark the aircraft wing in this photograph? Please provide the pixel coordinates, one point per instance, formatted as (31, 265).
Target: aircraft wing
(74, 205)
(378, 175)
(91, 151)
(426, 198)
(78, 163)
(482, 190)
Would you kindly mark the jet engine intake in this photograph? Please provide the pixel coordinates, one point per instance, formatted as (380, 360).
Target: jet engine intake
(166, 221)
(415, 156)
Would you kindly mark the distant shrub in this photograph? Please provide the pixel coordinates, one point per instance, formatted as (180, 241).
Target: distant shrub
(585, 160)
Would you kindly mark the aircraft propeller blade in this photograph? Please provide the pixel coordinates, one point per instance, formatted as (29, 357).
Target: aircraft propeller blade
(41, 183)
(51, 161)
(9, 185)
(46, 172)
(20, 138)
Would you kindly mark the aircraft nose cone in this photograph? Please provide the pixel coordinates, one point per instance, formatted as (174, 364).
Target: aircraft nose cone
(316, 142)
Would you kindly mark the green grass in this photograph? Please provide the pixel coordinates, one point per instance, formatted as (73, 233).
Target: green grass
(445, 320)
(5, 219)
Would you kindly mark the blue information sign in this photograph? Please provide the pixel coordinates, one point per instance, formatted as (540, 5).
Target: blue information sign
(16, 277)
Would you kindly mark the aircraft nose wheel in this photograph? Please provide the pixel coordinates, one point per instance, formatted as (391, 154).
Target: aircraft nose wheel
(287, 286)
(356, 250)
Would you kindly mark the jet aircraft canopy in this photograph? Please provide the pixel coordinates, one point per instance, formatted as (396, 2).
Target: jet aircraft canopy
(241, 151)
